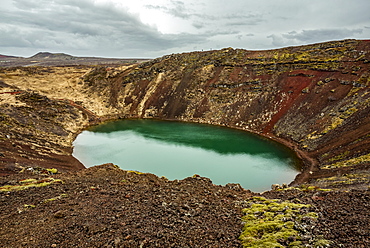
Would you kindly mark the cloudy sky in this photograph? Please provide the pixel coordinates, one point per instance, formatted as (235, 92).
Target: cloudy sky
(152, 28)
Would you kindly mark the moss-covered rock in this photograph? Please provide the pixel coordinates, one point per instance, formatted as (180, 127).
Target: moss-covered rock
(275, 223)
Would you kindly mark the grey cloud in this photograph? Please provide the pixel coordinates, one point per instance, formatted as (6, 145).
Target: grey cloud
(83, 25)
(243, 23)
(57, 16)
(102, 28)
(198, 25)
(157, 7)
(237, 19)
(28, 5)
(312, 36)
(11, 36)
(241, 36)
(178, 9)
(322, 34)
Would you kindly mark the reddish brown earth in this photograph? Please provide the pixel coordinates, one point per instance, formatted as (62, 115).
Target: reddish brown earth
(314, 99)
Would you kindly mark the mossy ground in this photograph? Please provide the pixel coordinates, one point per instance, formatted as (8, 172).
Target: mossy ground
(276, 223)
(349, 162)
(29, 183)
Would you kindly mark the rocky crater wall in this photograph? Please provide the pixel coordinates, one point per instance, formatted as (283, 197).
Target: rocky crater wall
(314, 99)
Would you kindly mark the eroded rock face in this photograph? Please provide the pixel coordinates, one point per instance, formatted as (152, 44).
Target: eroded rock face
(36, 132)
(313, 98)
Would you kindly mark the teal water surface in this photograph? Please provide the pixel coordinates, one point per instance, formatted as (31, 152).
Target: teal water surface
(177, 150)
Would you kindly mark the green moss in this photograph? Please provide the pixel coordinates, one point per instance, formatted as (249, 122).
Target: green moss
(349, 112)
(349, 162)
(306, 90)
(29, 183)
(52, 171)
(346, 179)
(55, 198)
(336, 121)
(339, 157)
(259, 198)
(25, 181)
(305, 187)
(136, 172)
(268, 223)
(322, 243)
(164, 178)
(28, 206)
(312, 215)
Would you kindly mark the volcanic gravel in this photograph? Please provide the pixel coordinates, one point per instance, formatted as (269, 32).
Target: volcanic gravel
(104, 206)
(343, 215)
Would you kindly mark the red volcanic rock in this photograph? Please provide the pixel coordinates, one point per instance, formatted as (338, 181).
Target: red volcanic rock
(305, 97)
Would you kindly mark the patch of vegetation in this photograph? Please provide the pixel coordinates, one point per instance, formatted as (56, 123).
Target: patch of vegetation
(55, 198)
(29, 183)
(28, 206)
(136, 172)
(275, 223)
(339, 157)
(361, 139)
(32, 97)
(52, 171)
(7, 121)
(305, 187)
(96, 75)
(346, 179)
(350, 162)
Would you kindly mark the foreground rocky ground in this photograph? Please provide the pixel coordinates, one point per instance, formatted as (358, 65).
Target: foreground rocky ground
(108, 207)
(314, 99)
(105, 206)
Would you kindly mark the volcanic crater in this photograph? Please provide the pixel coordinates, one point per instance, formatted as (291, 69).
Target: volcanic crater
(314, 99)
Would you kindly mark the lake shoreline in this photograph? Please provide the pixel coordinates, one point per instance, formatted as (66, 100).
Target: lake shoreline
(167, 143)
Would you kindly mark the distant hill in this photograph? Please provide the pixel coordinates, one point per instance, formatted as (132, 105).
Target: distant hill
(47, 55)
(62, 59)
(6, 56)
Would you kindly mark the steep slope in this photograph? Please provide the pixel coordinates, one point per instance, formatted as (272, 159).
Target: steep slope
(315, 98)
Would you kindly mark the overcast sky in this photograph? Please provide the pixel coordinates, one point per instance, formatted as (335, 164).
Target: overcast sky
(149, 29)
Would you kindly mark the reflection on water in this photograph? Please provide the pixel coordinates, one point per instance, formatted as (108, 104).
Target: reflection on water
(178, 150)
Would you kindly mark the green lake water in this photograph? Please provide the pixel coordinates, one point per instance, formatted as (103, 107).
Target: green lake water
(177, 150)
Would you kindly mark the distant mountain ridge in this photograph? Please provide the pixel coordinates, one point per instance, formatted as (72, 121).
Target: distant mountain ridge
(62, 59)
(48, 55)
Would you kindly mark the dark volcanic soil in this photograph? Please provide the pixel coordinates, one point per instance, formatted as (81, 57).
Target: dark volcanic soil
(104, 206)
(343, 215)
(107, 207)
